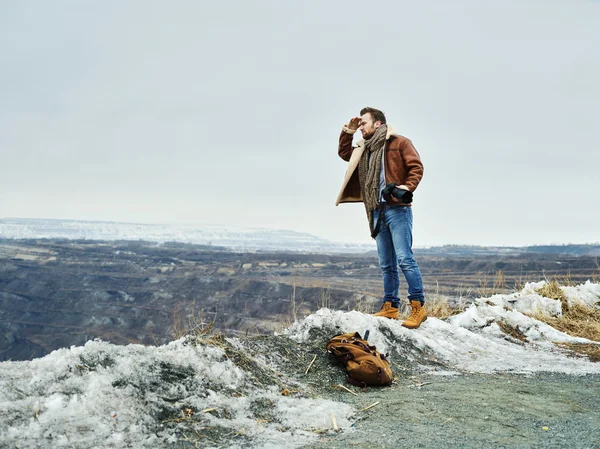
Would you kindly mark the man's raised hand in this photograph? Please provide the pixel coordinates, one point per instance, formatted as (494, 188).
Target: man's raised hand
(354, 123)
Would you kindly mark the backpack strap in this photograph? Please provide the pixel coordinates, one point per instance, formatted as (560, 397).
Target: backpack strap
(380, 374)
(356, 383)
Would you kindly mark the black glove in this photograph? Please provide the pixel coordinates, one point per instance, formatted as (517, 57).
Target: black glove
(405, 196)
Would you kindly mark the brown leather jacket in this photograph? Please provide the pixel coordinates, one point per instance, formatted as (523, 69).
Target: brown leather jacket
(403, 165)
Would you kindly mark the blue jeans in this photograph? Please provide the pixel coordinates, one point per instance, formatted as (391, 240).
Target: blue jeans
(394, 248)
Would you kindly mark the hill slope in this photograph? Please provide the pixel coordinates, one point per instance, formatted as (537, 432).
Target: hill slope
(458, 382)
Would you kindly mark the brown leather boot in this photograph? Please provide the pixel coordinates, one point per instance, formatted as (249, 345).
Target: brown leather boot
(387, 311)
(417, 316)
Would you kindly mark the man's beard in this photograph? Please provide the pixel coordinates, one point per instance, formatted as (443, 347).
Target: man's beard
(368, 135)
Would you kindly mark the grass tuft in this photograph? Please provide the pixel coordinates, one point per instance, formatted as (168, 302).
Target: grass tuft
(437, 306)
(552, 290)
(365, 304)
(498, 285)
(196, 325)
(578, 321)
(513, 331)
(591, 350)
(596, 275)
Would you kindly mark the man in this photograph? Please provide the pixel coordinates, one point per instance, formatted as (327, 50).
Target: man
(380, 158)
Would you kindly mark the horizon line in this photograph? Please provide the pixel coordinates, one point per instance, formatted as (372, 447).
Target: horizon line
(299, 232)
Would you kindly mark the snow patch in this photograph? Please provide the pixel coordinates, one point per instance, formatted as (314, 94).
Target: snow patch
(125, 396)
(472, 341)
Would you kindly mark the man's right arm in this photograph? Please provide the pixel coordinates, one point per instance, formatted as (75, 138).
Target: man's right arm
(345, 147)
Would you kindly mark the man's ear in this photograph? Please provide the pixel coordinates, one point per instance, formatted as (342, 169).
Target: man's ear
(377, 124)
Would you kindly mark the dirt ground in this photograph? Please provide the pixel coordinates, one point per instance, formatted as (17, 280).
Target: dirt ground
(468, 410)
(542, 411)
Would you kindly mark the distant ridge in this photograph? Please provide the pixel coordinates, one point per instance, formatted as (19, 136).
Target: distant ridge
(231, 237)
(248, 239)
(576, 250)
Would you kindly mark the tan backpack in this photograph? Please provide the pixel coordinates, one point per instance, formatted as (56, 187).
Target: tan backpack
(364, 364)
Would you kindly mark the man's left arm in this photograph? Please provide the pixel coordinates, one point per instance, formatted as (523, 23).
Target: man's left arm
(414, 166)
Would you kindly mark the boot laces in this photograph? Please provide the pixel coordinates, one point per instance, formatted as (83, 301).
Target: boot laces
(414, 313)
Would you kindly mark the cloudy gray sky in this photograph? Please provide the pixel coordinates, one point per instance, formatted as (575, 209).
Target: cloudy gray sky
(229, 112)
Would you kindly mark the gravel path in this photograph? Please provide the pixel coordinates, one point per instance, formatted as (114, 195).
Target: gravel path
(542, 411)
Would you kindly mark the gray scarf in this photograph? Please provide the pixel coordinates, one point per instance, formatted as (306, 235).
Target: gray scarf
(369, 170)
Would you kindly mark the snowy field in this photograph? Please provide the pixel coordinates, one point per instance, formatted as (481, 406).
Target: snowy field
(232, 237)
(103, 395)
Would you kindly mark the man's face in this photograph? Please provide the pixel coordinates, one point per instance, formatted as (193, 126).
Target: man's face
(367, 126)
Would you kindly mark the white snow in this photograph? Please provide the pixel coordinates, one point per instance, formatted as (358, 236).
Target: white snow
(236, 238)
(103, 395)
(588, 294)
(472, 341)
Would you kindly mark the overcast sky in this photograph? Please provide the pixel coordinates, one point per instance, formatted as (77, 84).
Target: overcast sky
(229, 113)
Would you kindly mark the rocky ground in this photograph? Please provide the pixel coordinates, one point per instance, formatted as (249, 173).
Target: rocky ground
(174, 400)
(431, 410)
(545, 410)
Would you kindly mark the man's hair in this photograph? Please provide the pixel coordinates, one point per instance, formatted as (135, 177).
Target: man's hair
(378, 116)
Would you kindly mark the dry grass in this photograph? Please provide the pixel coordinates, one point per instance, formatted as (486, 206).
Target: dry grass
(366, 304)
(513, 331)
(596, 275)
(590, 350)
(519, 283)
(178, 329)
(552, 290)
(579, 321)
(488, 287)
(437, 306)
(325, 298)
(195, 324)
(293, 304)
(299, 309)
(463, 292)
